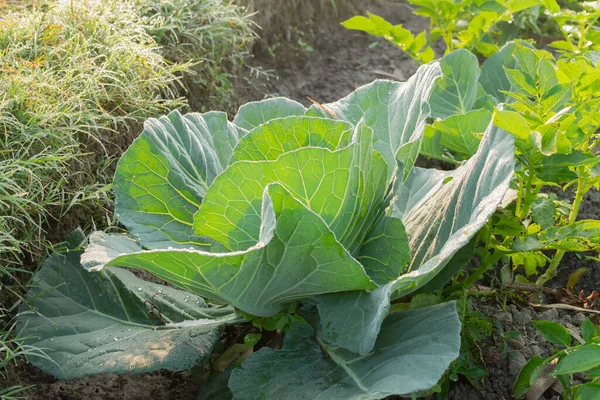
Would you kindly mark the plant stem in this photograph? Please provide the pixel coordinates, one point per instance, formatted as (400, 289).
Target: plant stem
(486, 264)
(527, 202)
(519, 197)
(581, 190)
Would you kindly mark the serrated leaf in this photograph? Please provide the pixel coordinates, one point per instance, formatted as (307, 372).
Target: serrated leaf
(553, 332)
(418, 343)
(110, 322)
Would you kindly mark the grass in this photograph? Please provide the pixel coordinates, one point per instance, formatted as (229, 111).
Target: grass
(213, 35)
(74, 77)
(77, 78)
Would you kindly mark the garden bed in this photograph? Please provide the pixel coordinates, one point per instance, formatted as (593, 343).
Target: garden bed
(329, 63)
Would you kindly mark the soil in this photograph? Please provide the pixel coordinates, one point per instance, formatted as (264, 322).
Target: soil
(339, 60)
(336, 63)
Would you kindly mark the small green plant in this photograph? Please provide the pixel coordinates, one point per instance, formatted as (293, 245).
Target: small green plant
(307, 221)
(551, 108)
(578, 27)
(468, 24)
(581, 357)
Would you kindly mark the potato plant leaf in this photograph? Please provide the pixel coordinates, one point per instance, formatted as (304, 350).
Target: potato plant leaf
(582, 359)
(553, 332)
(582, 235)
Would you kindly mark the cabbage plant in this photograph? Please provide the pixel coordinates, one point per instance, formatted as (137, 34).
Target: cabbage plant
(319, 210)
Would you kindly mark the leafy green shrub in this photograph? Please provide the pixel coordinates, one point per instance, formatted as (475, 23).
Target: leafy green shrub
(75, 77)
(478, 26)
(309, 221)
(581, 357)
(579, 28)
(213, 35)
(551, 107)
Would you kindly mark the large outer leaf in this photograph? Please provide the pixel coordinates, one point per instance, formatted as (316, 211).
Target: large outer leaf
(413, 350)
(446, 220)
(346, 188)
(396, 111)
(456, 92)
(493, 78)
(162, 178)
(441, 212)
(256, 113)
(90, 323)
(296, 257)
(282, 135)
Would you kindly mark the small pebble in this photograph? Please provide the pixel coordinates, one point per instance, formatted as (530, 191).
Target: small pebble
(504, 317)
(520, 318)
(516, 361)
(578, 319)
(549, 315)
(566, 320)
(537, 351)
